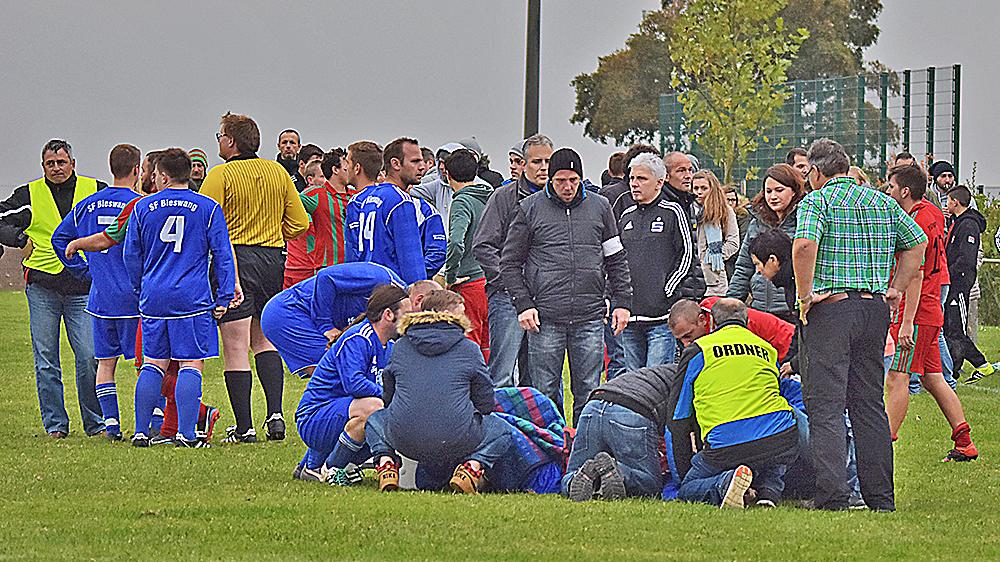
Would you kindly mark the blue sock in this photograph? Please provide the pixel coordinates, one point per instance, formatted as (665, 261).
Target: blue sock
(187, 394)
(107, 395)
(312, 459)
(344, 452)
(157, 420)
(147, 395)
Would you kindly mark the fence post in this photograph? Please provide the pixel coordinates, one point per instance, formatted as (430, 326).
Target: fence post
(930, 111)
(906, 110)
(838, 108)
(955, 112)
(663, 123)
(884, 125)
(860, 155)
(796, 112)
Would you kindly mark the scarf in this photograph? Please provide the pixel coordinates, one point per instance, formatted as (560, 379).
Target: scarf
(713, 257)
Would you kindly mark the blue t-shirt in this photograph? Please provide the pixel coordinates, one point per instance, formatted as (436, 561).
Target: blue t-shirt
(170, 237)
(111, 293)
(340, 292)
(382, 227)
(352, 367)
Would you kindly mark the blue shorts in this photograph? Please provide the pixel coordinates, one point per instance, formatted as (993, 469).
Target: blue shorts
(321, 428)
(287, 325)
(191, 338)
(114, 337)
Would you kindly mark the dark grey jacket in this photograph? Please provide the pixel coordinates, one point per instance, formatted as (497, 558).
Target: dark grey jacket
(645, 392)
(556, 256)
(487, 245)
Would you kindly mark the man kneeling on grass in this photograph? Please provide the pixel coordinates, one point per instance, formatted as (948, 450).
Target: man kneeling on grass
(730, 388)
(616, 449)
(439, 398)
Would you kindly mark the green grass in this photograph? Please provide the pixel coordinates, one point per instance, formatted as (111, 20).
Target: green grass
(83, 498)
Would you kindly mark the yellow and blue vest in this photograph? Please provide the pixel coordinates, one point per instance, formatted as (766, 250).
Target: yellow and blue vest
(731, 388)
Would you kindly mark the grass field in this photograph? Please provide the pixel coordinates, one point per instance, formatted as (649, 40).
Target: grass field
(84, 498)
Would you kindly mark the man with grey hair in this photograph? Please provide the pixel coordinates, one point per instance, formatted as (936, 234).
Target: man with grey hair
(660, 252)
(506, 334)
(27, 220)
(748, 429)
(845, 240)
(680, 172)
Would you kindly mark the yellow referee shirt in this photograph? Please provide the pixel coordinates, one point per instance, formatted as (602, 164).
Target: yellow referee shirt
(259, 201)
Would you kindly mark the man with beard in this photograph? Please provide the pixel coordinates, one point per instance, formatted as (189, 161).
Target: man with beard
(199, 166)
(288, 150)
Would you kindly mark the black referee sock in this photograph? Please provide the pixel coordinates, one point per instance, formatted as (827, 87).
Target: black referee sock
(238, 384)
(271, 373)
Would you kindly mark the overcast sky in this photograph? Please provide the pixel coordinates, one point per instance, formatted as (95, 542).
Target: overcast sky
(160, 74)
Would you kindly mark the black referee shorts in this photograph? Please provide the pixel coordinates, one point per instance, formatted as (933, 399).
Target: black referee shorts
(262, 272)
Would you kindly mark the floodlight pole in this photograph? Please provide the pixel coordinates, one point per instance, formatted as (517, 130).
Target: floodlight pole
(531, 66)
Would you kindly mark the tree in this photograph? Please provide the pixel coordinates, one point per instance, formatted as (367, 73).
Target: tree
(618, 101)
(731, 58)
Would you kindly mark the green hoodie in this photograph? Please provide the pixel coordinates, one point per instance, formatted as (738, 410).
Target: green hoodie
(466, 210)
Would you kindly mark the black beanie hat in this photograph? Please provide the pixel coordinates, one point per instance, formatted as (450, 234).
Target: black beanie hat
(940, 167)
(565, 159)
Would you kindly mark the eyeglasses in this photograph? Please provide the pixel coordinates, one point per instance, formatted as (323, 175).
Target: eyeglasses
(218, 136)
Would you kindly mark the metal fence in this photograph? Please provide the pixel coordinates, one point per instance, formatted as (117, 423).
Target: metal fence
(873, 115)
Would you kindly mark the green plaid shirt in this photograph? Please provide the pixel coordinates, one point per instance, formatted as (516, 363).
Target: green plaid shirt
(858, 230)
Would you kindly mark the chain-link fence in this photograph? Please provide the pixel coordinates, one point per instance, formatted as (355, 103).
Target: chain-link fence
(873, 115)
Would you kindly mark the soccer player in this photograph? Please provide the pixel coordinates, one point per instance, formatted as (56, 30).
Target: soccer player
(346, 388)
(323, 244)
(303, 320)
(172, 236)
(919, 318)
(112, 304)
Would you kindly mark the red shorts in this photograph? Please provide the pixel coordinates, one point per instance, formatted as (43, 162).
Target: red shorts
(925, 357)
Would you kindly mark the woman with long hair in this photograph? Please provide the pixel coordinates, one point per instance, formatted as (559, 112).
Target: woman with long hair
(739, 204)
(774, 207)
(718, 231)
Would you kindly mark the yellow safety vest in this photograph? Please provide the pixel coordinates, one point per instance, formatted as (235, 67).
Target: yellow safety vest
(44, 220)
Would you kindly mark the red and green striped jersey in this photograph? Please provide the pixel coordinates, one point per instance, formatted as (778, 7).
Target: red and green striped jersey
(323, 243)
(116, 230)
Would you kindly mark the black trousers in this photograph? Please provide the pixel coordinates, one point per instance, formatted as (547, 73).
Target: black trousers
(842, 358)
(960, 345)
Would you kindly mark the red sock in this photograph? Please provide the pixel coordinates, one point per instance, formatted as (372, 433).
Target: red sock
(202, 412)
(169, 428)
(961, 435)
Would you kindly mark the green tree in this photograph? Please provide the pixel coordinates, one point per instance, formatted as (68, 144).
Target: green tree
(618, 101)
(731, 58)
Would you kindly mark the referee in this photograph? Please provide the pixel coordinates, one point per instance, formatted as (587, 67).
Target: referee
(262, 210)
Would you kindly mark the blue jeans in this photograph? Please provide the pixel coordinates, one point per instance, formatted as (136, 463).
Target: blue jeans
(630, 438)
(616, 351)
(505, 338)
(583, 342)
(433, 474)
(647, 345)
(706, 483)
(45, 309)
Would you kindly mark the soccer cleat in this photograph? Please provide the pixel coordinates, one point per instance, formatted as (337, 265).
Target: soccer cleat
(742, 477)
(962, 454)
(612, 485)
(387, 474)
(274, 427)
(232, 437)
(114, 437)
(581, 486)
(764, 502)
(310, 474)
(297, 471)
(140, 440)
(344, 476)
(180, 442)
(207, 426)
(981, 373)
(466, 479)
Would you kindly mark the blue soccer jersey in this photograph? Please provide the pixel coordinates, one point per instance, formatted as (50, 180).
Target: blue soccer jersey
(351, 368)
(111, 293)
(432, 237)
(340, 292)
(382, 227)
(170, 237)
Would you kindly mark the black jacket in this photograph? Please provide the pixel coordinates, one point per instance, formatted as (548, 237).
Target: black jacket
(291, 165)
(436, 389)
(645, 392)
(557, 254)
(617, 193)
(661, 256)
(15, 217)
(963, 251)
(487, 244)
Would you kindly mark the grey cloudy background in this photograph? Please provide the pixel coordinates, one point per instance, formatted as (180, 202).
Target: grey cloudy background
(160, 74)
